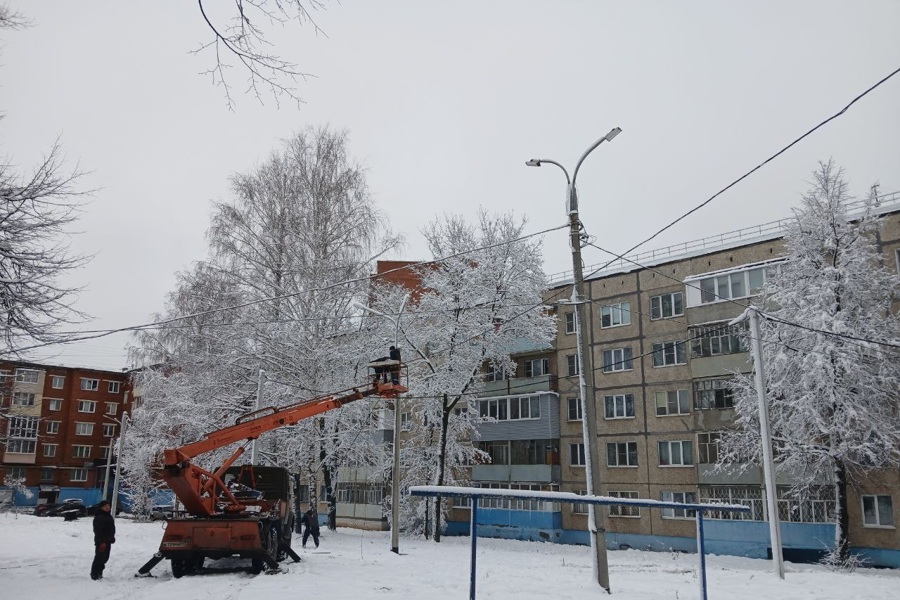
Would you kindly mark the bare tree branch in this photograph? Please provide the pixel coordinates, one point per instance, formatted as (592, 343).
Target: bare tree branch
(246, 41)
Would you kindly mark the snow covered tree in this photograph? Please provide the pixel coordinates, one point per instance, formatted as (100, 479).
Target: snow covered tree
(830, 340)
(289, 258)
(480, 296)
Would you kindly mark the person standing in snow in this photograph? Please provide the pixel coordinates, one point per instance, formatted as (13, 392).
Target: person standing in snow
(104, 538)
(311, 520)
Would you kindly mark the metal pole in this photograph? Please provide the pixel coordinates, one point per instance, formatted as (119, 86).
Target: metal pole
(765, 433)
(115, 495)
(588, 401)
(395, 471)
(259, 386)
(473, 531)
(395, 482)
(701, 550)
(109, 456)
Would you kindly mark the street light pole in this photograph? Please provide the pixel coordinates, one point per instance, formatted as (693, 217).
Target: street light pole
(395, 472)
(115, 496)
(596, 522)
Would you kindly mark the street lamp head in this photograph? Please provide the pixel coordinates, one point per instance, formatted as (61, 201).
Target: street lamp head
(612, 133)
(534, 162)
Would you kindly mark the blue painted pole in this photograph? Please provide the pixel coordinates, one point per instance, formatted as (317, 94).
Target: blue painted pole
(473, 531)
(701, 550)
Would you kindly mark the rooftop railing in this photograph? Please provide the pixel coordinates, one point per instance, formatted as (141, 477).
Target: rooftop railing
(886, 203)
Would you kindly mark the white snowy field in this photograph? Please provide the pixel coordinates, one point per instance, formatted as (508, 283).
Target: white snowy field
(46, 557)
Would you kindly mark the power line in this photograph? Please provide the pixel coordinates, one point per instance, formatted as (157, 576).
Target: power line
(751, 171)
(106, 332)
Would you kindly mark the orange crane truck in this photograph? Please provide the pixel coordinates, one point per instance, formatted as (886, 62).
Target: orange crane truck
(245, 511)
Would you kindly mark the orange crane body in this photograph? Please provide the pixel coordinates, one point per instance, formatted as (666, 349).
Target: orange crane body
(223, 522)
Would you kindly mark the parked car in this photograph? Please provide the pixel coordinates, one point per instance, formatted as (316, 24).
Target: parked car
(161, 512)
(71, 507)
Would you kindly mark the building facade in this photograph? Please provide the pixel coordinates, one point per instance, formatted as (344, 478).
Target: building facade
(57, 425)
(663, 351)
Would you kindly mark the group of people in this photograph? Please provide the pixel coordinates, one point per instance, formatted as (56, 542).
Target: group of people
(105, 535)
(105, 525)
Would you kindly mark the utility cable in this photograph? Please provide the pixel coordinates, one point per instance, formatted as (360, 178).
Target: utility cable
(751, 171)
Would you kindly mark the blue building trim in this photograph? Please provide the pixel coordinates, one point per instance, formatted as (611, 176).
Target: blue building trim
(800, 541)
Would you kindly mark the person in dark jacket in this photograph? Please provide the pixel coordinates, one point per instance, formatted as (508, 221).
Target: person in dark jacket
(395, 370)
(311, 520)
(104, 538)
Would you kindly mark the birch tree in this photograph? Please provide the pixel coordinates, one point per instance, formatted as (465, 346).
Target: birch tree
(830, 346)
(480, 295)
(290, 254)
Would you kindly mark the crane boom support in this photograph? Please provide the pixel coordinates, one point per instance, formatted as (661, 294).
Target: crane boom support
(200, 490)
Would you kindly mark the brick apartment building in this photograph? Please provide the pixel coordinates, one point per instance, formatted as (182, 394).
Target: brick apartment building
(56, 426)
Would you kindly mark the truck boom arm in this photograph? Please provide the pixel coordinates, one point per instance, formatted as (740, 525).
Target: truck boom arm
(199, 489)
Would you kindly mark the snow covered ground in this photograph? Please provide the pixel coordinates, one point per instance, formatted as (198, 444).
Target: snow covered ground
(43, 558)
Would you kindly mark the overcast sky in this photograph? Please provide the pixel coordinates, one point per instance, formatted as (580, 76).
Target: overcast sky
(444, 103)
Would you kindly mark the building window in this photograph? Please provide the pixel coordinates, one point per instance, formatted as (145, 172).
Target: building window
(732, 285)
(666, 354)
(537, 367)
(50, 450)
(87, 406)
(22, 435)
(618, 510)
(575, 413)
(708, 447)
(619, 406)
(84, 428)
(405, 421)
(16, 473)
(576, 455)
(111, 408)
(666, 306)
(711, 394)
(746, 495)
(495, 373)
(572, 365)
(580, 508)
(570, 322)
(57, 382)
(715, 340)
(676, 454)
(515, 408)
(613, 315)
(23, 427)
(622, 454)
(47, 473)
(90, 385)
(619, 359)
(55, 404)
(815, 504)
(681, 498)
(81, 451)
(22, 399)
(673, 402)
(26, 376)
(79, 475)
(113, 387)
(897, 256)
(21, 446)
(878, 511)
(104, 452)
(52, 427)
